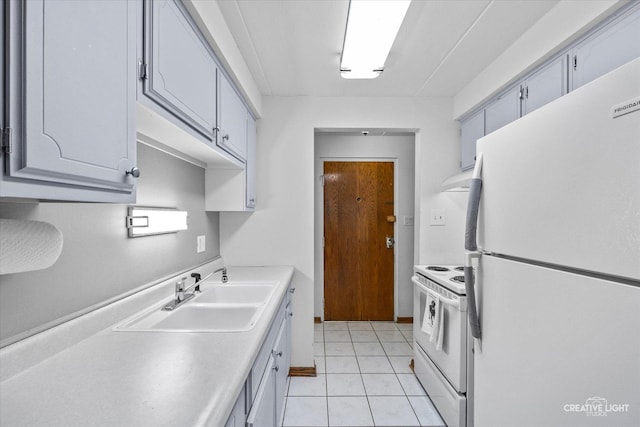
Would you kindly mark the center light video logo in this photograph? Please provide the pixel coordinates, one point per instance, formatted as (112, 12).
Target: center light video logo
(596, 407)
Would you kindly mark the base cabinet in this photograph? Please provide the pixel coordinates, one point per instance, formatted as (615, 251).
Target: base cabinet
(265, 389)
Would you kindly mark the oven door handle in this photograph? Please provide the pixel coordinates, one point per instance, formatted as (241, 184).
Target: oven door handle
(445, 300)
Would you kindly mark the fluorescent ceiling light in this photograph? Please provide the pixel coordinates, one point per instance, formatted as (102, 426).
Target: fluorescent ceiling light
(372, 26)
(143, 221)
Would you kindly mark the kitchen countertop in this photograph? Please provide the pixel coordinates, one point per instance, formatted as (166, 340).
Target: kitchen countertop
(125, 378)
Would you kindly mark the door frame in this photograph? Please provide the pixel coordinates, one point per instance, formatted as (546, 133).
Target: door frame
(319, 213)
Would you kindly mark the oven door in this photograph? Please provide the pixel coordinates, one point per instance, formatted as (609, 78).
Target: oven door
(451, 360)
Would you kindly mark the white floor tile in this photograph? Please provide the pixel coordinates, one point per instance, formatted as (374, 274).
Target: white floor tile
(320, 364)
(308, 386)
(397, 349)
(392, 411)
(384, 326)
(342, 365)
(318, 335)
(364, 336)
(391, 336)
(374, 365)
(349, 411)
(339, 349)
(408, 335)
(337, 336)
(382, 385)
(368, 349)
(318, 348)
(335, 326)
(345, 385)
(411, 385)
(401, 364)
(427, 414)
(306, 412)
(360, 326)
(405, 326)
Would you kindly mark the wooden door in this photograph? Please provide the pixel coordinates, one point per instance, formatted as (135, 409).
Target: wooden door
(358, 218)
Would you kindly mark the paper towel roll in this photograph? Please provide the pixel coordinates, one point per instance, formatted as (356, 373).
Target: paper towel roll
(28, 245)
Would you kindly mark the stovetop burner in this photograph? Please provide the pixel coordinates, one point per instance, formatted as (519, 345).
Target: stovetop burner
(437, 268)
(459, 269)
(459, 279)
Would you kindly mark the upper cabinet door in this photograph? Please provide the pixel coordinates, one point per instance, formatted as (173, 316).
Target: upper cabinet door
(233, 120)
(72, 89)
(545, 85)
(607, 49)
(503, 110)
(470, 131)
(181, 74)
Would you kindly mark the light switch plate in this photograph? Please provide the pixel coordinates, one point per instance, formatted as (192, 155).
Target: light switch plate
(407, 221)
(201, 244)
(437, 217)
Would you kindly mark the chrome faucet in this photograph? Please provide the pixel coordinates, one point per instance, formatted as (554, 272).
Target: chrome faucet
(181, 294)
(225, 278)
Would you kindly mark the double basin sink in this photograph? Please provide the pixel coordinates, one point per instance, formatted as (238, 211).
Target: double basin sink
(229, 307)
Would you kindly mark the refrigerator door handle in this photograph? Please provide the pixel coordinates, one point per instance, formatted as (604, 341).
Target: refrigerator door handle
(471, 245)
(473, 205)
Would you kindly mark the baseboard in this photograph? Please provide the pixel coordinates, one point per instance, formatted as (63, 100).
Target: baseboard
(302, 371)
(405, 320)
(317, 319)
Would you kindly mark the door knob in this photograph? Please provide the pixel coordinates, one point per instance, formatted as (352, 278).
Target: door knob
(390, 242)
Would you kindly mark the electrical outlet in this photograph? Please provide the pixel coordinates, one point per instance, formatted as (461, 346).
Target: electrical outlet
(201, 244)
(408, 221)
(437, 217)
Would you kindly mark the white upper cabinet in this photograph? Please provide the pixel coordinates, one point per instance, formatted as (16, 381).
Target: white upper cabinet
(232, 120)
(70, 101)
(545, 85)
(181, 71)
(503, 110)
(470, 131)
(607, 49)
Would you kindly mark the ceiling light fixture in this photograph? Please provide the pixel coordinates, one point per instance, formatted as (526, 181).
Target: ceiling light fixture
(372, 26)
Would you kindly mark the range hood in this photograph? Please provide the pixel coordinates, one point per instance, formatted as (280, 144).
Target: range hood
(459, 182)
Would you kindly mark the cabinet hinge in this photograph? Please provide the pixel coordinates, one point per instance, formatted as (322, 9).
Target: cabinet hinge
(323, 241)
(575, 62)
(7, 140)
(143, 71)
(322, 180)
(526, 92)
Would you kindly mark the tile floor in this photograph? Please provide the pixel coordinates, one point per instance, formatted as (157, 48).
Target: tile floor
(363, 379)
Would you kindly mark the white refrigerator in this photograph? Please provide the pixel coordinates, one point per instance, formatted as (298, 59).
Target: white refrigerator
(556, 262)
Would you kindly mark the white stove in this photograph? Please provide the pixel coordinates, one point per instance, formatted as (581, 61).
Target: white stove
(449, 276)
(444, 370)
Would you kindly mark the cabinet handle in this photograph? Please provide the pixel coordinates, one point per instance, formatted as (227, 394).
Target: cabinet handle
(279, 353)
(225, 137)
(216, 129)
(292, 290)
(276, 368)
(134, 172)
(291, 314)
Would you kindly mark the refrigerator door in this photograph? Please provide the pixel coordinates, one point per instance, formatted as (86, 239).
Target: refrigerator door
(561, 185)
(553, 343)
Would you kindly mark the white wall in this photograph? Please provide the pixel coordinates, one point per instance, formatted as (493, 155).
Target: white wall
(281, 230)
(397, 148)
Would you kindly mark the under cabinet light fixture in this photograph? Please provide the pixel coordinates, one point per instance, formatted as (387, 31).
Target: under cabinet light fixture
(148, 221)
(372, 26)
